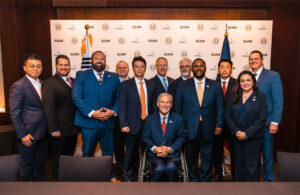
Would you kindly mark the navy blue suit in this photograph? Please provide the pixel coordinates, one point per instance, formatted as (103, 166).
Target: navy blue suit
(88, 95)
(130, 116)
(200, 134)
(250, 118)
(174, 137)
(27, 117)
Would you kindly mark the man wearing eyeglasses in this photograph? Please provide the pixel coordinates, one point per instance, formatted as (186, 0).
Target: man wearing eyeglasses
(270, 84)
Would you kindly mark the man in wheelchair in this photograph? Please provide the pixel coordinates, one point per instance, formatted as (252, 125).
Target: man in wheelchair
(163, 136)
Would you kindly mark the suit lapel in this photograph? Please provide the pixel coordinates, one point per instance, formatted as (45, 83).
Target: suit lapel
(206, 90)
(261, 75)
(62, 81)
(170, 125)
(31, 87)
(193, 90)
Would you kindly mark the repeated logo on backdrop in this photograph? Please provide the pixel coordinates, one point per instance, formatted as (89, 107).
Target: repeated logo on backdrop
(172, 39)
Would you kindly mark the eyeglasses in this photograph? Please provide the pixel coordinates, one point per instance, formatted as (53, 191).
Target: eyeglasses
(254, 59)
(185, 66)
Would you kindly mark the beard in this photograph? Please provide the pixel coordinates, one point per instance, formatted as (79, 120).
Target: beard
(98, 68)
(200, 76)
(185, 73)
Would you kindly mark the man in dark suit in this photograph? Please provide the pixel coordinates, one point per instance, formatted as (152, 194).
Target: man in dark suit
(135, 105)
(200, 101)
(96, 96)
(122, 70)
(185, 66)
(227, 83)
(161, 81)
(28, 119)
(163, 136)
(60, 112)
(270, 84)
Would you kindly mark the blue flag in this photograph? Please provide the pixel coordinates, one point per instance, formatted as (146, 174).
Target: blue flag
(225, 49)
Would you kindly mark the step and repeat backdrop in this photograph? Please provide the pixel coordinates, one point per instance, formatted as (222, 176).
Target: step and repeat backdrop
(172, 39)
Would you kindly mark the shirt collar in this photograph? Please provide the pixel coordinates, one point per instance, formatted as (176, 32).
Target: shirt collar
(202, 81)
(161, 77)
(226, 80)
(258, 72)
(138, 81)
(162, 116)
(97, 73)
(183, 78)
(32, 80)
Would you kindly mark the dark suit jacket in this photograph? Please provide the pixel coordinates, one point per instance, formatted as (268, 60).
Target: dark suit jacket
(174, 86)
(130, 105)
(174, 135)
(88, 94)
(158, 86)
(231, 84)
(211, 111)
(26, 110)
(58, 106)
(250, 118)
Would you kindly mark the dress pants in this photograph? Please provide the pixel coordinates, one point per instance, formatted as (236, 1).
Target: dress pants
(267, 154)
(247, 159)
(193, 147)
(164, 167)
(33, 160)
(64, 145)
(131, 159)
(119, 142)
(90, 138)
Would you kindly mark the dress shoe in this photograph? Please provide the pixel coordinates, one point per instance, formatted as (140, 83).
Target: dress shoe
(115, 180)
(218, 177)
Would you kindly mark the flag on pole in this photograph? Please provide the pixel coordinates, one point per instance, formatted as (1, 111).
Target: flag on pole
(225, 54)
(86, 50)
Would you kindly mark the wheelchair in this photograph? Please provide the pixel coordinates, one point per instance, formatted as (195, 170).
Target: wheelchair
(146, 168)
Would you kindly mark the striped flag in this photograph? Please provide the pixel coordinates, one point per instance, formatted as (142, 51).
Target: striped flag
(86, 50)
(225, 54)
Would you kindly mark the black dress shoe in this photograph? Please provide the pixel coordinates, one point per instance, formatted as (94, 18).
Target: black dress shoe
(218, 177)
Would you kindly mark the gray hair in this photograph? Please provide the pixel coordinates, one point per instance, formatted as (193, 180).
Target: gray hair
(164, 94)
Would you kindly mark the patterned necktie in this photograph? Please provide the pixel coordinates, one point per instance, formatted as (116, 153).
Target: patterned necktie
(69, 81)
(164, 125)
(165, 84)
(100, 77)
(143, 100)
(224, 88)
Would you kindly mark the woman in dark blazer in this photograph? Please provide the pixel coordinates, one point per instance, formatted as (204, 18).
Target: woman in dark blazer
(246, 114)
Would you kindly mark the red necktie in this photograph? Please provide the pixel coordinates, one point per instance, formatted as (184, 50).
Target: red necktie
(69, 81)
(100, 77)
(164, 125)
(224, 88)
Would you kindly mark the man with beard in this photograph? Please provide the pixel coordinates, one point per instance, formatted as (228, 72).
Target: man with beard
(96, 96)
(60, 112)
(185, 66)
(200, 101)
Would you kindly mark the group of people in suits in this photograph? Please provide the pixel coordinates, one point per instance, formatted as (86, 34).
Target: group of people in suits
(161, 115)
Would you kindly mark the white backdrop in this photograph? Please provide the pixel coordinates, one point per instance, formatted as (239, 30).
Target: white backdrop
(172, 39)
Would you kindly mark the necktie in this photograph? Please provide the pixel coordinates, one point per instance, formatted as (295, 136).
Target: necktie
(143, 100)
(164, 125)
(165, 84)
(224, 88)
(38, 88)
(255, 75)
(200, 93)
(69, 81)
(100, 77)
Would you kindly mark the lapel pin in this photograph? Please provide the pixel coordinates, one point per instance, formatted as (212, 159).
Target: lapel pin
(171, 121)
(207, 86)
(108, 75)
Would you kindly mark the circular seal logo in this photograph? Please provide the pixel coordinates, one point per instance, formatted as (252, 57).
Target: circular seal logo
(216, 41)
(200, 27)
(168, 40)
(121, 40)
(58, 26)
(184, 53)
(248, 27)
(105, 26)
(152, 26)
(263, 41)
(137, 53)
(152, 67)
(74, 40)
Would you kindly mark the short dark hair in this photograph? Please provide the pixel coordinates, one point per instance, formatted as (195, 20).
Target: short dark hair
(97, 52)
(61, 57)
(197, 59)
(32, 56)
(259, 52)
(139, 58)
(225, 60)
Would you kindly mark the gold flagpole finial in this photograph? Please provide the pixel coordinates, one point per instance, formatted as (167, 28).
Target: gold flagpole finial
(226, 30)
(87, 28)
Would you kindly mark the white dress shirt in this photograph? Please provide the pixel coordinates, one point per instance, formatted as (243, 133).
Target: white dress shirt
(36, 84)
(202, 83)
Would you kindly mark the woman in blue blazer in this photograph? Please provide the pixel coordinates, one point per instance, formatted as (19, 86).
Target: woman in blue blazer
(246, 114)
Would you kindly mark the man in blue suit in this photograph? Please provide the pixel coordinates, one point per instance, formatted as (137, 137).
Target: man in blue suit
(96, 96)
(163, 136)
(200, 101)
(28, 119)
(270, 84)
(135, 105)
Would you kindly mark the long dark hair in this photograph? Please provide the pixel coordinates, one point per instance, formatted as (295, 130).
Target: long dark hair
(237, 90)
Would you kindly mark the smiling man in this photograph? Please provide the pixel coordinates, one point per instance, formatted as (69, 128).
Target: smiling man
(200, 101)
(60, 112)
(163, 136)
(28, 118)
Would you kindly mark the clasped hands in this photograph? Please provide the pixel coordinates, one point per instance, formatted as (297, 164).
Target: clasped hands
(162, 151)
(240, 135)
(103, 114)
